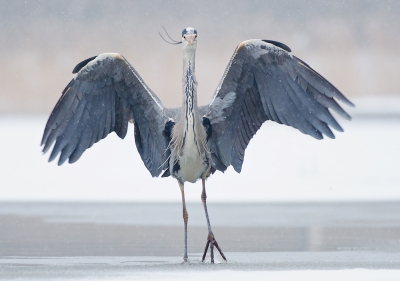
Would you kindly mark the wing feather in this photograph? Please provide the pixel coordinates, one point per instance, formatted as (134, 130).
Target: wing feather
(71, 146)
(268, 83)
(106, 93)
(69, 132)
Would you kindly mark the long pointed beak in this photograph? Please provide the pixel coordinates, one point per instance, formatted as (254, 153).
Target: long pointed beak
(190, 39)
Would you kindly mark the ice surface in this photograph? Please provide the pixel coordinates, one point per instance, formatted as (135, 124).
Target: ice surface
(318, 275)
(252, 266)
(144, 241)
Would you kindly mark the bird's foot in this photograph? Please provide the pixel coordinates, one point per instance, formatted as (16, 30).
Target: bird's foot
(211, 242)
(185, 260)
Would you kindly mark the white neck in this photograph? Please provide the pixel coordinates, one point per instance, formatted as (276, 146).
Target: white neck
(188, 133)
(189, 55)
(189, 80)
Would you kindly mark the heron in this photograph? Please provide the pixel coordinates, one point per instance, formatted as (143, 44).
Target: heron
(263, 81)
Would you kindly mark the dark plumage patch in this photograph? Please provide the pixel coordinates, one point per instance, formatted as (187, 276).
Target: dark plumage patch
(166, 174)
(207, 125)
(278, 44)
(176, 168)
(168, 129)
(138, 138)
(167, 133)
(80, 65)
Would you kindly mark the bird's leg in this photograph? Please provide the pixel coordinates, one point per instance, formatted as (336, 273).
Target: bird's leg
(185, 219)
(211, 242)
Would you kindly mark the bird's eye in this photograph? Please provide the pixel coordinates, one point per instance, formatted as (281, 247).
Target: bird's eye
(195, 36)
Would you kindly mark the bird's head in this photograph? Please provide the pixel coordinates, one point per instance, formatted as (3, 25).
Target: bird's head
(189, 38)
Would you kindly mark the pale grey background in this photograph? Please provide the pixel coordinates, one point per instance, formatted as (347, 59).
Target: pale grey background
(353, 43)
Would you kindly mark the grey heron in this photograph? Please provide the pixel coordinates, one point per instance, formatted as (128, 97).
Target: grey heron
(263, 81)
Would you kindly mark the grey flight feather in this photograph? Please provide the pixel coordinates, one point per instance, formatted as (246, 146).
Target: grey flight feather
(269, 84)
(106, 93)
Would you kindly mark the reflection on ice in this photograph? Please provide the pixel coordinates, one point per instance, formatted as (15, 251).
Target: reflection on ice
(119, 229)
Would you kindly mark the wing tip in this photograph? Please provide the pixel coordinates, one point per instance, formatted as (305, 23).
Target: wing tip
(50, 159)
(339, 129)
(53, 156)
(331, 136)
(342, 113)
(74, 156)
(62, 159)
(343, 99)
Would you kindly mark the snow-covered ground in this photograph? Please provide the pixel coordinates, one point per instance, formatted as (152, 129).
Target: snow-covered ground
(249, 266)
(281, 164)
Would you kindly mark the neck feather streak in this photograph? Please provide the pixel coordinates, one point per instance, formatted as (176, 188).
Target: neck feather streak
(189, 128)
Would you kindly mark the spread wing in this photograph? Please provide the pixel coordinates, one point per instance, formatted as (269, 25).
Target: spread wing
(263, 81)
(106, 93)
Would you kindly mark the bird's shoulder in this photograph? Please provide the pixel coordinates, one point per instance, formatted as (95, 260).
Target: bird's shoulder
(253, 49)
(263, 44)
(99, 61)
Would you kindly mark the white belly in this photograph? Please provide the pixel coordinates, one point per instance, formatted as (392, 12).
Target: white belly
(191, 167)
(192, 163)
